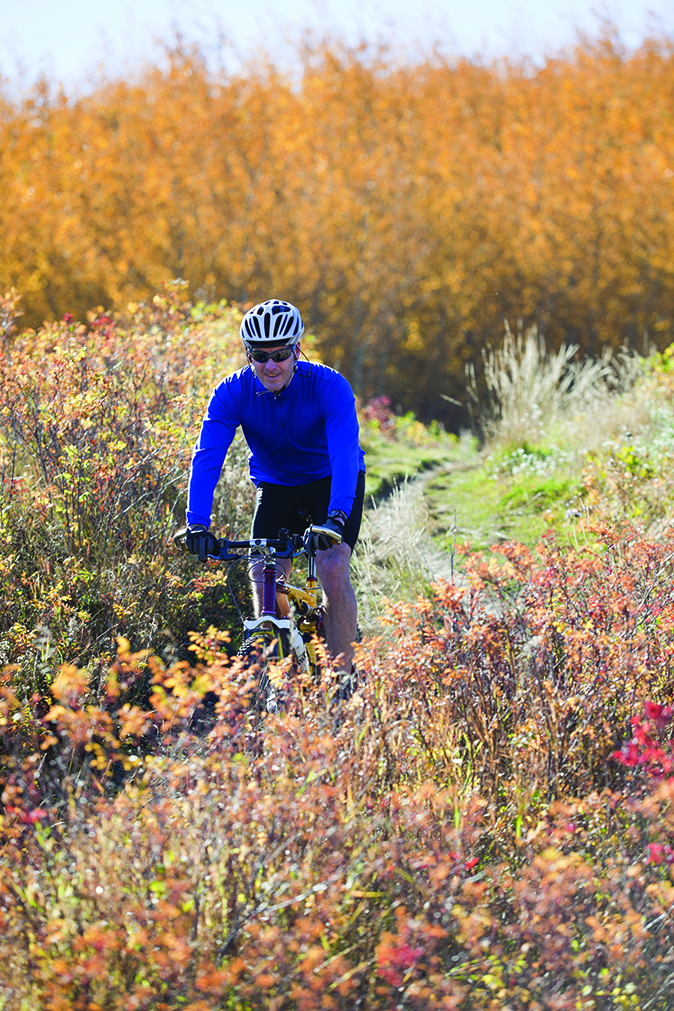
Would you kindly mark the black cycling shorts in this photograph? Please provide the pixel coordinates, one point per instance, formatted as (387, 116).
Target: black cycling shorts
(294, 508)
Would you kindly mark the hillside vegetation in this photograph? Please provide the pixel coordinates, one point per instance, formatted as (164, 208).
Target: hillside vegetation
(487, 824)
(407, 206)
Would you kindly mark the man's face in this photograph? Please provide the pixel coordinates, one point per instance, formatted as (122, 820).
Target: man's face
(275, 375)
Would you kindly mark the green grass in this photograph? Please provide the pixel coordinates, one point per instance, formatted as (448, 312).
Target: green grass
(487, 507)
(518, 495)
(491, 509)
(601, 456)
(389, 463)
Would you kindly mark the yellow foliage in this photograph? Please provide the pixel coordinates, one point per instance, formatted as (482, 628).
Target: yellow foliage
(70, 683)
(407, 208)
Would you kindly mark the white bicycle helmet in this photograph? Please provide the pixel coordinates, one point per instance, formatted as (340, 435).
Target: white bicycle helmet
(272, 322)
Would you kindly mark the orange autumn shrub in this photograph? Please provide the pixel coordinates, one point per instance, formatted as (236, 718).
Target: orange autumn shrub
(97, 424)
(459, 835)
(408, 206)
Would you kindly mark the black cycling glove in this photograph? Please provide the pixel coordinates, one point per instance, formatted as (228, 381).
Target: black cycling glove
(200, 541)
(327, 534)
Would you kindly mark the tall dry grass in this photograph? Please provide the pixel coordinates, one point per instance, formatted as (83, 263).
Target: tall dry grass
(390, 560)
(532, 395)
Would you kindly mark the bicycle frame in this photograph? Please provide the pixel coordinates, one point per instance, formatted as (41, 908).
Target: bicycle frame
(304, 600)
(300, 629)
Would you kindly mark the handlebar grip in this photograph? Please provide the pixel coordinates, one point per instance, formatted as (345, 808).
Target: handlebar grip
(179, 539)
(319, 531)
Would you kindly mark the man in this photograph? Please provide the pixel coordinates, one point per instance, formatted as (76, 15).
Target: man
(299, 420)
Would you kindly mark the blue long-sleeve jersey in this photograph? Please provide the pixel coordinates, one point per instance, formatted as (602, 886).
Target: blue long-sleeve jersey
(307, 431)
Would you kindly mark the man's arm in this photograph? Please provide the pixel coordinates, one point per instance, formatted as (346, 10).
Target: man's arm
(215, 438)
(346, 457)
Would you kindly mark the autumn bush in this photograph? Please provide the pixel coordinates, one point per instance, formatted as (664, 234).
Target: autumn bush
(407, 205)
(97, 422)
(488, 823)
(469, 831)
(461, 834)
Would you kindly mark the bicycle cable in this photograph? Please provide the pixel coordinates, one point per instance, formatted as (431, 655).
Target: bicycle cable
(231, 565)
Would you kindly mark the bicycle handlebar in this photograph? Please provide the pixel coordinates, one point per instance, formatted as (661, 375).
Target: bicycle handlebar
(286, 543)
(288, 546)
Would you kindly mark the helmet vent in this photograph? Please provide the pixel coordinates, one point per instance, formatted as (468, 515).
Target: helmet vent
(273, 321)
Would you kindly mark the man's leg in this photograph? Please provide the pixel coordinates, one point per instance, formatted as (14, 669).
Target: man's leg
(340, 619)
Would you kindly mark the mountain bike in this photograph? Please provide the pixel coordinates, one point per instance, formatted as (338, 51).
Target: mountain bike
(269, 639)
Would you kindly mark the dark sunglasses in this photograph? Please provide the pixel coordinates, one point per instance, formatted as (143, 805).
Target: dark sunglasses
(262, 357)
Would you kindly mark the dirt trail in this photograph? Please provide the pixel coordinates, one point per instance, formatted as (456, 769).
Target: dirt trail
(402, 518)
(397, 557)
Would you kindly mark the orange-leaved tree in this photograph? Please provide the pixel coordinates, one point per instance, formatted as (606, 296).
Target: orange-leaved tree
(408, 207)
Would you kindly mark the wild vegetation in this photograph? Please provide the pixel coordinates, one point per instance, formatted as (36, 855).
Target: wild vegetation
(407, 206)
(487, 824)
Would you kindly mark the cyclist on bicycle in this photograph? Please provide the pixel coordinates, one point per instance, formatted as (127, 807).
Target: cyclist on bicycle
(299, 421)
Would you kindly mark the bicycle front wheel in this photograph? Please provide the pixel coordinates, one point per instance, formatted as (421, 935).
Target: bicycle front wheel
(263, 650)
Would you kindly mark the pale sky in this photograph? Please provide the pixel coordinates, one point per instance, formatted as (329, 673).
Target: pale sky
(68, 40)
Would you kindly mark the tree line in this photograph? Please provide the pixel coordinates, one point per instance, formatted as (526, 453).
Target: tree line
(408, 207)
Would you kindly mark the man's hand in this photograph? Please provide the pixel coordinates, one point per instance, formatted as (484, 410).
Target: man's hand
(327, 534)
(200, 541)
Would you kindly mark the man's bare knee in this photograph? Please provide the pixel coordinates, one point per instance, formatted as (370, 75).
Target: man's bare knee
(333, 566)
